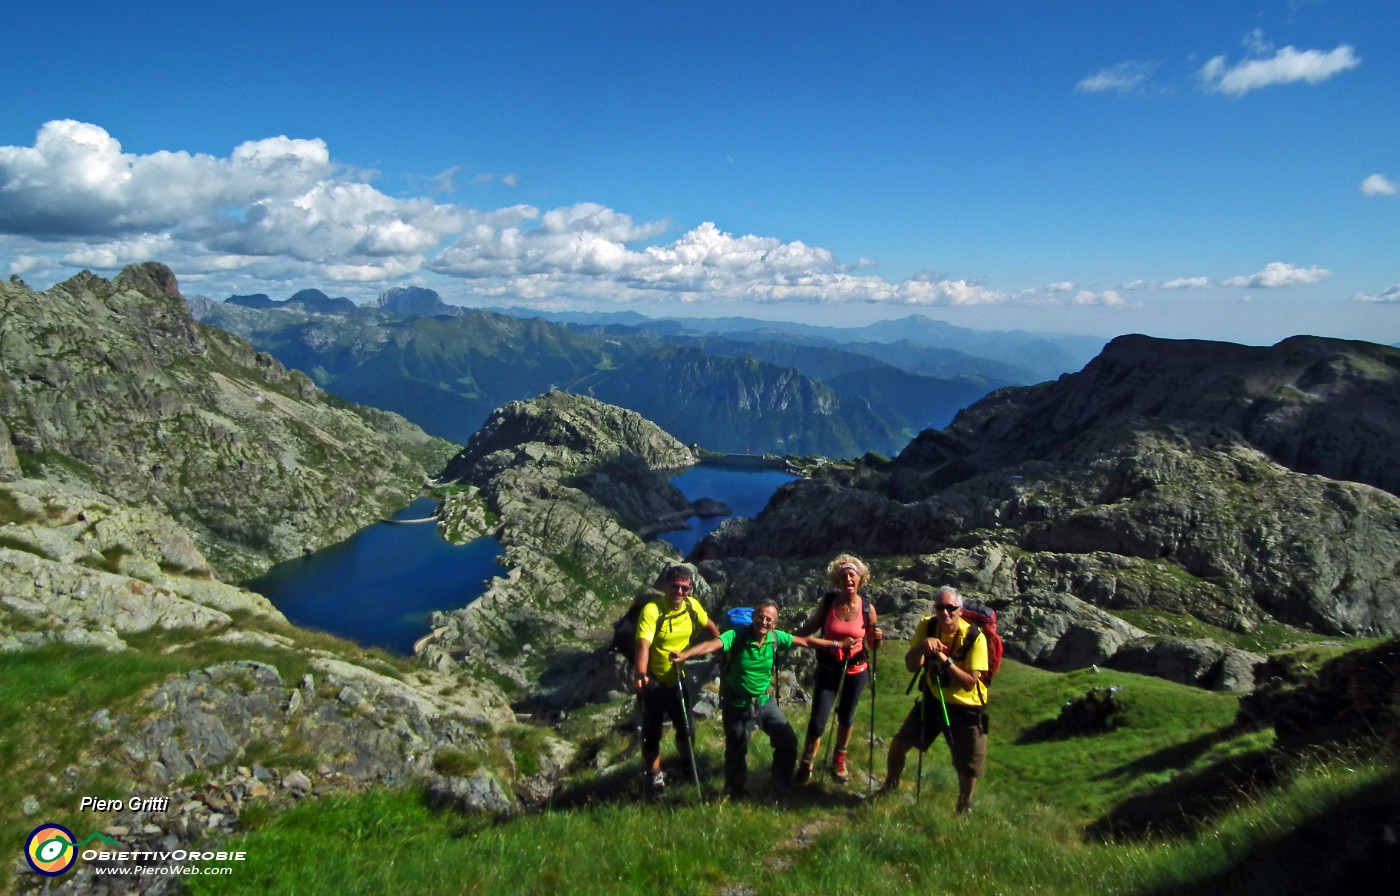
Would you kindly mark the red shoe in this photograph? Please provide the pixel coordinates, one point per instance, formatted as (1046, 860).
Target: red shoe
(838, 766)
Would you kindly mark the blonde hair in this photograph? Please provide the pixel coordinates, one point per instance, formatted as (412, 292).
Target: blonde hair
(835, 566)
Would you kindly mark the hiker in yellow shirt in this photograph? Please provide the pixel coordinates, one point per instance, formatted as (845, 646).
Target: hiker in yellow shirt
(954, 674)
(666, 626)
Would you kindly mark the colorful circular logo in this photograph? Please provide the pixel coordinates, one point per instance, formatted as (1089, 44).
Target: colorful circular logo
(50, 849)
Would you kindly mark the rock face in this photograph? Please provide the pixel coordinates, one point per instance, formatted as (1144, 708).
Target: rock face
(364, 726)
(114, 386)
(568, 482)
(1203, 481)
(415, 301)
(77, 568)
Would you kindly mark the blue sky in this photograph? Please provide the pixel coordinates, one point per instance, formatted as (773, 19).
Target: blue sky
(1221, 170)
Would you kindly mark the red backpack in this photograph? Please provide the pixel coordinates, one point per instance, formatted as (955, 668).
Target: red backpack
(984, 620)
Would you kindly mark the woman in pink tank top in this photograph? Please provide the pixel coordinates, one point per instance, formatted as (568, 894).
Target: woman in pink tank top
(841, 674)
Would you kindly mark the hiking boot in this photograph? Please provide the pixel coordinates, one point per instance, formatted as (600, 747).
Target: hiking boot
(838, 767)
(804, 773)
(964, 807)
(656, 784)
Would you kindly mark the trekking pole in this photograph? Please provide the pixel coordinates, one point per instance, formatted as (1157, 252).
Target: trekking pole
(923, 723)
(835, 701)
(641, 748)
(948, 730)
(870, 777)
(690, 730)
(913, 681)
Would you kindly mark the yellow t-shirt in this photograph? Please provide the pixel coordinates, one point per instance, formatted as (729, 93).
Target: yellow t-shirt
(668, 630)
(974, 661)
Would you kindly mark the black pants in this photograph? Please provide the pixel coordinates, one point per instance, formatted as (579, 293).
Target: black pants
(659, 703)
(831, 686)
(739, 724)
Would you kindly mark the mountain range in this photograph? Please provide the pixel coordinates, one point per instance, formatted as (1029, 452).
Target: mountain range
(731, 385)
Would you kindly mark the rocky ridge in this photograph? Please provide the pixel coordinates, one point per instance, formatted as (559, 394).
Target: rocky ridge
(565, 483)
(114, 386)
(1115, 494)
(134, 447)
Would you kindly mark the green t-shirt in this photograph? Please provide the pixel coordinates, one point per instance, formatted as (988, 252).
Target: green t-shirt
(749, 671)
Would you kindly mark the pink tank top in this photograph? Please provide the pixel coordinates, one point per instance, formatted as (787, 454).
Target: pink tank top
(838, 629)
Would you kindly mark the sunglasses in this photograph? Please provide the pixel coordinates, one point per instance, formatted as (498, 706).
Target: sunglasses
(947, 608)
(675, 586)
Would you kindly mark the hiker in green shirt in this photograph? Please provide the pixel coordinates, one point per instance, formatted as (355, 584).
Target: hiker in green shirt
(746, 693)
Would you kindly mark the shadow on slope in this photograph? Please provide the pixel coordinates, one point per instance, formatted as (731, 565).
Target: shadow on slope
(1185, 801)
(1348, 848)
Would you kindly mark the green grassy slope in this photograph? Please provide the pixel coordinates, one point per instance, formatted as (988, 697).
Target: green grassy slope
(1170, 801)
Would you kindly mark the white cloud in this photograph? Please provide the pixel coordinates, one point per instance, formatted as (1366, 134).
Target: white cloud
(1287, 66)
(1378, 185)
(76, 181)
(1187, 283)
(1108, 299)
(1124, 77)
(1277, 274)
(1385, 296)
(279, 212)
(1062, 286)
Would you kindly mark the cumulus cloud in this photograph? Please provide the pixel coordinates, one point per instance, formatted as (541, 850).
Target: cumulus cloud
(280, 211)
(1378, 185)
(274, 197)
(1187, 283)
(575, 245)
(1108, 298)
(1279, 273)
(1124, 77)
(1286, 66)
(1386, 296)
(76, 181)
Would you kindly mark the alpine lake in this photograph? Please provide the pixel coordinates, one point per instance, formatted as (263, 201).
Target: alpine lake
(379, 586)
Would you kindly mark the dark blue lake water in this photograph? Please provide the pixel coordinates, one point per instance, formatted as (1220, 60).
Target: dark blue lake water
(379, 586)
(745, 491)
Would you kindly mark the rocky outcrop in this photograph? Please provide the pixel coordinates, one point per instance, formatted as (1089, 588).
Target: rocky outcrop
(565, 483)
(1314, 696)
(78, 568)
(1171, 481)
(114, 385)
(206, 745)
(284, 717)
(356, 724)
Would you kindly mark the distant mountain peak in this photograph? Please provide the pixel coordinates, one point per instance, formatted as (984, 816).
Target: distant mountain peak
(415, 301)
